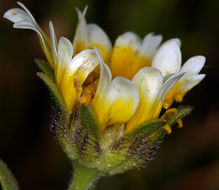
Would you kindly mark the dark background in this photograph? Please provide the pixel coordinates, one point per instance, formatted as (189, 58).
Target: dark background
(189, 157)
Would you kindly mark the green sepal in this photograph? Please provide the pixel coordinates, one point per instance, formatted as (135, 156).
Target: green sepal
(182, 111)
(45, 67)
(7, 179)
(134, 147)
(88, 144)
(146, 129)
(88, 121)
(54, 90)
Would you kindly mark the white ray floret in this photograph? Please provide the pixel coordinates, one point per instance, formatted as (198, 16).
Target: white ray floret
(23, 19)
(117, 99)
(168, 58)
(90, 35)
(152, 89)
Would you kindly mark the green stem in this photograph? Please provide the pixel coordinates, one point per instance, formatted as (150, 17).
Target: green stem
(83, 177)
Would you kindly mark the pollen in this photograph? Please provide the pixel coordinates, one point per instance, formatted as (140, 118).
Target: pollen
(88, 93)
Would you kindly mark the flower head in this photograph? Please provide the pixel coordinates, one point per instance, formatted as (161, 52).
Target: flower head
(112, 96)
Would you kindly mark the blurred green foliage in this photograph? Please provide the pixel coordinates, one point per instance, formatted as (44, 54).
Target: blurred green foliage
(188, 158)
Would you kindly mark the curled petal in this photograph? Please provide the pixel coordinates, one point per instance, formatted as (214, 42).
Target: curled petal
(114, 102)
(168, 58)
(23, 19)
(194, 65)
(87, 67)
(53, 41)
(73, 74)
(169, 82)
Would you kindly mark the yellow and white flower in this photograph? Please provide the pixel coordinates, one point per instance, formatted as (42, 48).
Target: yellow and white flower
(127, 84)
(130, 54)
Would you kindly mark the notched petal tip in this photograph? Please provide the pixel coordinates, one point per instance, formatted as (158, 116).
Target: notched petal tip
(81, 14)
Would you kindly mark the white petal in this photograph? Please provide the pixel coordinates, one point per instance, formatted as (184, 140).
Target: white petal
(129, 39)
(168, 58)
(178, 41)
(23, 19)
(87, 67)
(81, 31)
(116, 101)
(65, 49)
(28, 12)
(193, 65)
(91, 35)
(189, 81)
(96, 35)
(105, 75)
(53, 41)
(149, 82)
(85, 58)
(16, 15)
(122, 100)
(19, 17)
(150, 45)
(169, 83)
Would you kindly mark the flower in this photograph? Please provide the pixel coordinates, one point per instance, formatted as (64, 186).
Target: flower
(136, 101)
(112, 94)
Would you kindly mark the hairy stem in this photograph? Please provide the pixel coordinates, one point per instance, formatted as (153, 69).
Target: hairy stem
(83, 178)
